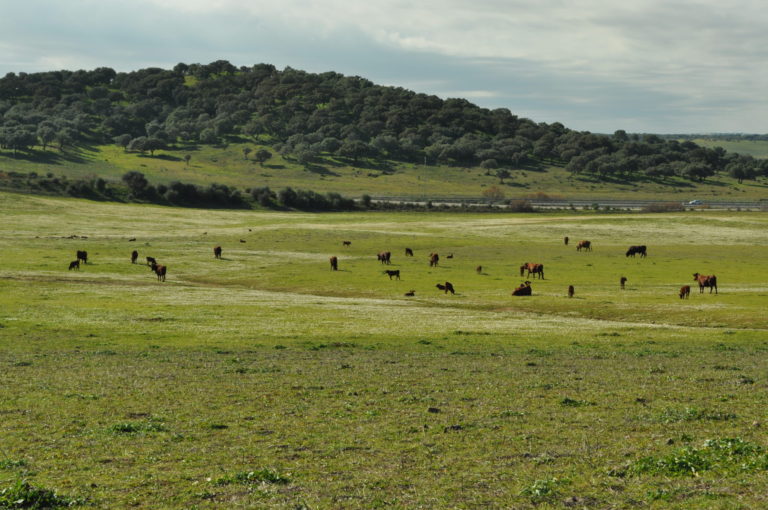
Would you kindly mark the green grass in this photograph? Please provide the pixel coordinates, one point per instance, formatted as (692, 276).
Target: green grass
(756, 148)
(265, 380)
(226, 165)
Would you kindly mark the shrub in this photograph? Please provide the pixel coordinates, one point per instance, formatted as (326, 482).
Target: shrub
(24, 495)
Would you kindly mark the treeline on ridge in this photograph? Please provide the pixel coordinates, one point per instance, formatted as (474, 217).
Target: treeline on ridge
(311, 116)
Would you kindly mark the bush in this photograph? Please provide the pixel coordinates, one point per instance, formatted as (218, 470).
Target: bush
(661, 207)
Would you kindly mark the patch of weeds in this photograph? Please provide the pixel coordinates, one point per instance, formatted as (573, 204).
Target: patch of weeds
(215, 426)
(222, 351)
(508, 413)
(543, 490)
(253, 477)
(693, 414)
(612, 333)
(657, 370)
(569, 402)
(12, 464)
(137, 427)
(746, 380)
(106, 352)
(539, 352)
(332, 345)
(724, 347)
(424, 342)
(83, 396)
(727, 453)
(460, 332)
(278, 346)
(725, 367)
(21, 364)
(24, 495)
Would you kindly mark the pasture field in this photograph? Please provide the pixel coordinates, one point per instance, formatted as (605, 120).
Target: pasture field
(227, 165)
(265, 380)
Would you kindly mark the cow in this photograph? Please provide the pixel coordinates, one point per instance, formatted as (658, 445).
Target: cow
(82, 255)
(242, 240)
(160, 271)
(384, 257)
(449, 256)
(217, 252)
(622, 281)
(533, 269)
(571, 291)
(408, 252)
(448, 287)
(479, 269)
(434, 258)
(410, 293)
(395, 273)
(134, 256)
(633, 250)
(685, 291)
(705, 281)
(151, 260)
(334, 263)
(346, 243)
(75, 264)
(131, 239)
(586, 245)
(523, 290)
(565, 240)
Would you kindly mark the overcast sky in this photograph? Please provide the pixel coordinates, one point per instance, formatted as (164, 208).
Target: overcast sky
(662, 66)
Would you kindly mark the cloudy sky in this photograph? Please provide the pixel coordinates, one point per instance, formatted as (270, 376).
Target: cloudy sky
(663, 66)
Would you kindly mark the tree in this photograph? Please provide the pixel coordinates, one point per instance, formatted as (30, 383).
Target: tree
(262, 155)
(136, 182)
(503, 174)
(122, 140)
(493, 194)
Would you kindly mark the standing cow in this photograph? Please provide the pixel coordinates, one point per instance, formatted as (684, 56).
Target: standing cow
(533, 269)
(434, 258)
(685, 291)
(584, 245)
(82, 255)
(334, 263)
(134, 256)
(705, 281)
(217, 252)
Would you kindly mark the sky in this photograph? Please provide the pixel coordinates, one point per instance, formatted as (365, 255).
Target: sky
(651, 66)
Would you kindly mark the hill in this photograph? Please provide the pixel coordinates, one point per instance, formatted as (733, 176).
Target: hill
(255, 127)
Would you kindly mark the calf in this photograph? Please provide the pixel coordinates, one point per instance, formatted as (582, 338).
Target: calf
(346, 243)
(408, 252)
(75, 264)
(685, 291)
(622, 281)
(570, 291)
(450, 256)
(395, 273)
(410, 293)
(334, 263)
(706, 281)
(134, 256)
(434, 258)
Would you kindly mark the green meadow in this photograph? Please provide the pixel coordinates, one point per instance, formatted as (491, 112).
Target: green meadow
(266, 380)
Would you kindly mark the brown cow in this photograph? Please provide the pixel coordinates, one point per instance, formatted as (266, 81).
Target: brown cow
(134, 256)
(523, 290)
(622, 281)
(449, 288)
(82, 255)
(160, 271)
(334, 263)
(392, 273)
(586, 245)
(410, 293)
(408, 252)
(75, 264)
(705, 281)
(565, 240)
(533, 269)
(217, 252)
(434, 258)
(384, 257)
(346, 243)
(685, 291)
(571, 291)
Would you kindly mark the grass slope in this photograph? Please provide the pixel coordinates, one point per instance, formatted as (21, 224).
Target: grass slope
(227, 165)
(266, 380)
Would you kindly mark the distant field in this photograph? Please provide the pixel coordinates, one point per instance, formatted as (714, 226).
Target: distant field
(265, 380)
(228, 166)
(758, 149)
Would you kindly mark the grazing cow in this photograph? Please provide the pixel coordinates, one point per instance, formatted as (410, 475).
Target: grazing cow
(450, 256)
(523, 290)
(160, 271)
(565, 240)
(705, 281)
(586, 245)
(384, 257)
(622, 281)
(334, 263)
(449, 288)
(395, 273)
(410, 293)
(151, 260)
(75, 264)
(134, 256)
(131, 239)
(685, 291)
(82, 255)
(408, 252)
(434, 258)
(570, 291)
(533, 269)
(346, 243)
(633, 250)
(479, 269)
(217, 252)
(242, 240)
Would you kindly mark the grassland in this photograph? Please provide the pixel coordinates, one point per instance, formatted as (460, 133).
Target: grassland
(265, 380)
(227, 165)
